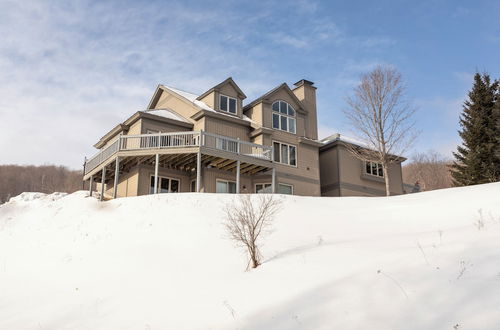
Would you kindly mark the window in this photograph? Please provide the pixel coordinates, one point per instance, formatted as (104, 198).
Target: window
(263, 188)
(283, 116)
(227, 104)
(165, 185)
(225, 187)
(285, 189)
(285, 153)
(193, 186)
(373, 168)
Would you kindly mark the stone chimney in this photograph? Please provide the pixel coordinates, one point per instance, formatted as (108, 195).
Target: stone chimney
(306, 93)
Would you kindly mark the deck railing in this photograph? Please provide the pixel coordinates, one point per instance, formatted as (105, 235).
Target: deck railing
(178, 140)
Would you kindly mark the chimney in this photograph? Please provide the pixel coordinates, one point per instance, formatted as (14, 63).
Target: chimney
(306, 93)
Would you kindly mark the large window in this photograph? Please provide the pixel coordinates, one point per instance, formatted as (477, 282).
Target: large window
(165, 185)
(227, 104)
(285, 153)
(263, 188)
(225, 187)
(285, 189)
(373, 168)
(283, 117)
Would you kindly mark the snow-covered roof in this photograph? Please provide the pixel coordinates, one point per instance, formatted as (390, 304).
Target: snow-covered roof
(346, 139)
(190, 97)
(166, 113)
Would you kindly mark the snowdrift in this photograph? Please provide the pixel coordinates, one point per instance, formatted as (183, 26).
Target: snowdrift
(422, 261)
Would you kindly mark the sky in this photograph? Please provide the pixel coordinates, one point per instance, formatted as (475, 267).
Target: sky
(71, 71)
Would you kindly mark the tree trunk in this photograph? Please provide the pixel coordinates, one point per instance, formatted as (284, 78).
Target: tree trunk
(386, 178)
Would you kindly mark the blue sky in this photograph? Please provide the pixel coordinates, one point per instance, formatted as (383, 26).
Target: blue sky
(70, 71)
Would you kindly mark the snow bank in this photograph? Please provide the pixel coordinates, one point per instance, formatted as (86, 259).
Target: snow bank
(421, 261)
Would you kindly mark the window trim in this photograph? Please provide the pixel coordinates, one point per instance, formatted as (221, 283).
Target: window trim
(365, 163)
(262, 184)
(289, 145)
(227, 181)
(191, 185)
(280, 114)
(227, 111)
(285, 184)
(169, 184)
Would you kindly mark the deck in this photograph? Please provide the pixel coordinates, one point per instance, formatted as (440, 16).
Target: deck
(181, 148)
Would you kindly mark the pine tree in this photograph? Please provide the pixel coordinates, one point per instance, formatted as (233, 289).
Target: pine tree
(496, 134)
(476, 161)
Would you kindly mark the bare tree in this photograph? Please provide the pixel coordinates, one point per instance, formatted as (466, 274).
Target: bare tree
(382, 118)
(246, 221)
(430, 170)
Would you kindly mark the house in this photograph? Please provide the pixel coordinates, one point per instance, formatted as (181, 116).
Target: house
(214, 143)
(342, 174)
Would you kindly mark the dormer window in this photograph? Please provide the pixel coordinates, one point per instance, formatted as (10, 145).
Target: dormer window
(227, 104)
(283, 116)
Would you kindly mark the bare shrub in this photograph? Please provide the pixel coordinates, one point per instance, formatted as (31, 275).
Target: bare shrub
(246, 221)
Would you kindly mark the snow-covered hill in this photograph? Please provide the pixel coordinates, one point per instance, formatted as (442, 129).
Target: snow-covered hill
(422, 261)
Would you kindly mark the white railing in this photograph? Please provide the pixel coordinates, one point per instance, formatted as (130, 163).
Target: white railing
(178, 140)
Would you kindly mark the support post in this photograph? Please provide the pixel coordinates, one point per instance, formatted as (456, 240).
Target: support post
(103, 178)
(238, 163)
(157, 161)
(117, 167)
(273, 181)
(91, 181)
(198, 171)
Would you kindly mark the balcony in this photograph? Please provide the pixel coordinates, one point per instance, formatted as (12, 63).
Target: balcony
(182, 143)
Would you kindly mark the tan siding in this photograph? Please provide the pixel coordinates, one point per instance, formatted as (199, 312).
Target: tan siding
(183, 107)
(329, 172)
(153, 125)
(222, 127)
(307, 95)
(351, 171)
(127, 184)
(209, 100)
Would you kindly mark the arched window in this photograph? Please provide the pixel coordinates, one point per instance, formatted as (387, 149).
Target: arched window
(283, 116)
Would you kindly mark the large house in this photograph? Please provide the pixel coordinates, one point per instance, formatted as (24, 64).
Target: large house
(213, 142)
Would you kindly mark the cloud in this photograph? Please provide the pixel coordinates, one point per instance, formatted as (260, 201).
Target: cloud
(70, 71)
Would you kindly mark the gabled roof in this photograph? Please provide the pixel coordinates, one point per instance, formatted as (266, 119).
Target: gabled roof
(337, 137)
(218, 86)
(190, 97)
(283, 86)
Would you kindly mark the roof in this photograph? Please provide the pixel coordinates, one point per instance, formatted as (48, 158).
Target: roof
(272, 91)
(227, 81)
(166, 113)
(337, 137)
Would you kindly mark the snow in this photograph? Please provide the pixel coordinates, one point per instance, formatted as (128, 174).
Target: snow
(346, 139)
(421, 261)
(167, 113)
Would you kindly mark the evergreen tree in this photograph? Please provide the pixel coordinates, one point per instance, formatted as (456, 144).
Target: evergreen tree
(476, 159)
(496, 134)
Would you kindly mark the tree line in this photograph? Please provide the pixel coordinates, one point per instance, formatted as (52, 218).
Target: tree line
(15, 179)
